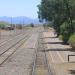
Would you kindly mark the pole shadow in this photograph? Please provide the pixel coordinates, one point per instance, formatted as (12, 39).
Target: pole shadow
(72, 72)
(47, 50)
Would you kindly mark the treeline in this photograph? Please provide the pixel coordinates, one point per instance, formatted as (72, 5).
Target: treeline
(62, 14)
(8, 26)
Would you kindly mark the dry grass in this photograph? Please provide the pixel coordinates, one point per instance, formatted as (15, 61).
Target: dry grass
(41, 71)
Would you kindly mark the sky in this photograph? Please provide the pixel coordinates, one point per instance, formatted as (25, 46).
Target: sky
(14, 8)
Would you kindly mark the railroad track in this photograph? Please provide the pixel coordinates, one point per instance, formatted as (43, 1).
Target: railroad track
(7, 37)
(8, 45)
(7, 53)
(10, 39)
(40, 63)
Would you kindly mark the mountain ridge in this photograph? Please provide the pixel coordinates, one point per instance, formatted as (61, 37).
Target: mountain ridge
(19, 20)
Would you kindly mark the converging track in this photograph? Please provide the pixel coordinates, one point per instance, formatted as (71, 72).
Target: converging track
(19, 58)
(10, 47)
(9, 37)
(25, 54)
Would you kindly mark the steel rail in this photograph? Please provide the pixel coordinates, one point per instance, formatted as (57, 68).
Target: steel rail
(17, 45)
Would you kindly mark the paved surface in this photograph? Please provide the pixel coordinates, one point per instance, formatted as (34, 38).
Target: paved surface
(57, 55)
(20, 63)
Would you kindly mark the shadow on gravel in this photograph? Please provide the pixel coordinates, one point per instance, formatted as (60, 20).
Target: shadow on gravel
(30, 48)
(53, 43)
(48, 37)
(56, 50)
(72, 72)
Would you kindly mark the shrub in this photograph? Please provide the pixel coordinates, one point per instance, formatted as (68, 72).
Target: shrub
(72, 41)
(74, 25)
(32, 25)
(64, 31)
(3, 24)
(60, 37)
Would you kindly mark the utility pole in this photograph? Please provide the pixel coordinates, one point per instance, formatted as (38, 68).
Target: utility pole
(0, 32)
(23, 24)
(15, 29)
(10, 26)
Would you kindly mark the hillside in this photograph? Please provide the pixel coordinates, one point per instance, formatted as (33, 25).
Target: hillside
(19, 20)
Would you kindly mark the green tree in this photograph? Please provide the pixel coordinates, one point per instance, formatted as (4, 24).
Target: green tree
(44, 12)
(58, 11)
(51, 10)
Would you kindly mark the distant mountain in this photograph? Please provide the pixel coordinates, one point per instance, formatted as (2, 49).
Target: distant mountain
(19, 20)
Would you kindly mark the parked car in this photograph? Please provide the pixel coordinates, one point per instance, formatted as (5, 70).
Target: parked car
(9, 28)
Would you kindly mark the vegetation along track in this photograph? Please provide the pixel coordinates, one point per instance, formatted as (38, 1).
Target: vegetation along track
(7, 53)
(40, 63)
